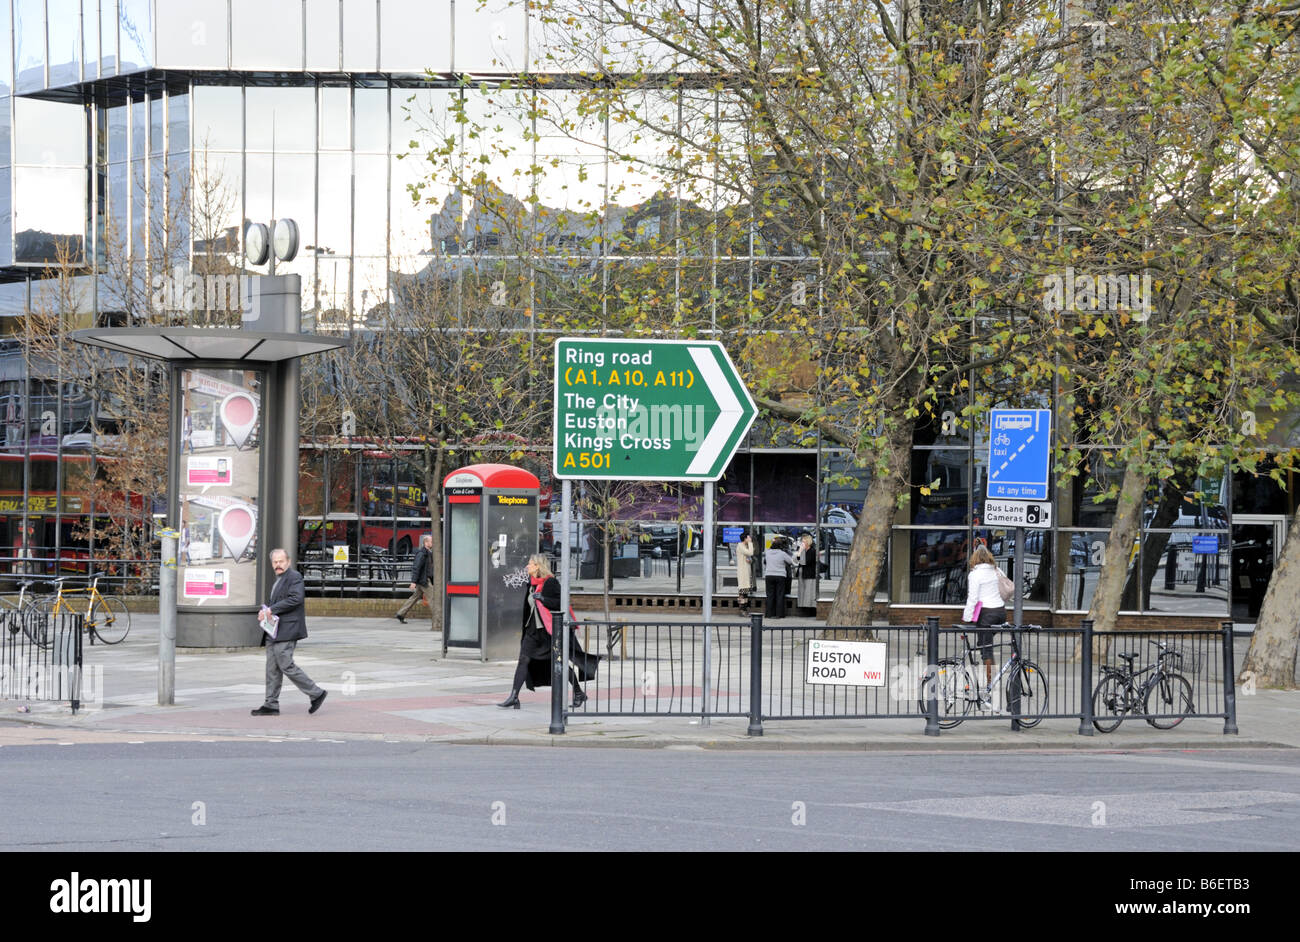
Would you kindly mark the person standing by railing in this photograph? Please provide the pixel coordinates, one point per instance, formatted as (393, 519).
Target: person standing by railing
(984, 605)
(777, 564)
(805, 560)
(745, 569)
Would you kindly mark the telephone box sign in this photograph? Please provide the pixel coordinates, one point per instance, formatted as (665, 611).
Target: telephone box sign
(661, 410)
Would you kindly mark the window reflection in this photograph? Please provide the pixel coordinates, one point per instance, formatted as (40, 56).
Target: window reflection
(323, 35)
(218, 117)
(360, 36)
(192, 34)
(64, 20)
(266, 35)
(29, 44)
(217, 190)
(135, 21)
(334, 231)
(416, 35)
(178, 123)
(49, 214)
(6, 217)
(107, 36)
(336, 118)
(490, 36)
(49, 133)
(371, 111)
(281, 118)
(118, 122)
(371, 216)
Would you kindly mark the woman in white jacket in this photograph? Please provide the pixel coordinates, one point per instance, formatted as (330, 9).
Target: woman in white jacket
(982, 588)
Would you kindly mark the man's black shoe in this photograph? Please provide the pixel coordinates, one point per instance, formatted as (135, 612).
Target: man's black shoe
(265, 711)
(317, 701)
(401, 618)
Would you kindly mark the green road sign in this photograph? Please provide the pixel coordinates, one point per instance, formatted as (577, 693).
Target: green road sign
(647, 410)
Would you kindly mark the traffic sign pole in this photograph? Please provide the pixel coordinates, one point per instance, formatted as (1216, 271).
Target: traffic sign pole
(708, 596)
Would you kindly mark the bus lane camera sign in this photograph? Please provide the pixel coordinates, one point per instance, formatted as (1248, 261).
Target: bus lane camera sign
(849, 663)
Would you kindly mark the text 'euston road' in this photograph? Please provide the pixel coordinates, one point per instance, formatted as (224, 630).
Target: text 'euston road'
(650, 409)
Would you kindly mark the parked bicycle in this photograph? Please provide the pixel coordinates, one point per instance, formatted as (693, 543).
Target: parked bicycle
(959, 692)
(104, 615)
(1165, 696)
(22, 613)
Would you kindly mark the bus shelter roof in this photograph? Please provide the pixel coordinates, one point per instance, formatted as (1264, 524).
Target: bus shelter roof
(175, 344)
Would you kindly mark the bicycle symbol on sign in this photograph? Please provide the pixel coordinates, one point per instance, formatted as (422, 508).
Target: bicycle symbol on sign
(1002, 438)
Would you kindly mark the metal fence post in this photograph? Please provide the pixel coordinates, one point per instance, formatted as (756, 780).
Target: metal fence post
(755, 675)
(932, 661)
(1229, 682)
(76, 659)
(1085, 685)
(559, 629)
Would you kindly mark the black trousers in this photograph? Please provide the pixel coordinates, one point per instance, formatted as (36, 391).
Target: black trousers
(774, 596)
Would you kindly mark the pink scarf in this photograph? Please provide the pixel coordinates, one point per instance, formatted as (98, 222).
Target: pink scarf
(543, 613)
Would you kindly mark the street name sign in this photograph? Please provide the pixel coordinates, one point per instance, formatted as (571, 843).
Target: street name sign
(846, 663)
(1017, 513)
(647, 410)
(1019, 454)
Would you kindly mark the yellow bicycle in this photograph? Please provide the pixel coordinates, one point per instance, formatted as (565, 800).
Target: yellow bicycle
(105, 615)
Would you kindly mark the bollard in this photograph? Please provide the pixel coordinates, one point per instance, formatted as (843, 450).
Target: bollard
(167, 619)
(755, 675)
(1085, 669)
(559, 631)
(932, 658)
(1229, 682)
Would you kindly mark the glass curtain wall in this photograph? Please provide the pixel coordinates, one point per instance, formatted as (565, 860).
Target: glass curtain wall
(322, 111)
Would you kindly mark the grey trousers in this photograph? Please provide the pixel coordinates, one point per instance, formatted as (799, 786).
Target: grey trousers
(279, 665)
(423, 591)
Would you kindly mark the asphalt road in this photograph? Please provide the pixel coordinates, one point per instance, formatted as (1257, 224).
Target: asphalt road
(370, 796)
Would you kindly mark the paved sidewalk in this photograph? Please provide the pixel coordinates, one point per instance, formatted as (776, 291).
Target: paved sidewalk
(388, 681)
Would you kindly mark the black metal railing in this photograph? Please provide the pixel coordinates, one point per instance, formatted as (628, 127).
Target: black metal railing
(40, 656)
(775, 673)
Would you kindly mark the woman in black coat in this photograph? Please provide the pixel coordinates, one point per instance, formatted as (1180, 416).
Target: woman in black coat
(541, 612)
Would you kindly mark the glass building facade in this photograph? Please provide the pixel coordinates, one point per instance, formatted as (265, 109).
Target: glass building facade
(146, 133)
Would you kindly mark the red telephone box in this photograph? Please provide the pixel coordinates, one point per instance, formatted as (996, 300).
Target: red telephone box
(489, 531)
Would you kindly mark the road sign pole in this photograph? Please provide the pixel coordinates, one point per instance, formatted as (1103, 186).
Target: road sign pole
(1020, 574)
(707, 606)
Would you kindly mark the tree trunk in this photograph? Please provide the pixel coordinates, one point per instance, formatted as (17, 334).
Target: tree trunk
(1272, 655)
(433, 462)
(866, 563)
(1119, 546)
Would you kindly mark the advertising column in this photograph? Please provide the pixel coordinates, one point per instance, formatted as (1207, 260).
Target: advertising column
(220, 468)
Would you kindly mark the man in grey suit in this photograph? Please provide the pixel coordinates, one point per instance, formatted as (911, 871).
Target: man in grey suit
(421, 577)
(287, 601)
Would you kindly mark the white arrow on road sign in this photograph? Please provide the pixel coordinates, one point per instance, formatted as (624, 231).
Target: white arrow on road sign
(729, 415)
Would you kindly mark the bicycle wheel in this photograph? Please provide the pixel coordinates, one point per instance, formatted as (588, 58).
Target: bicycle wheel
(949, 691)
(36, 625)
(1167, 702)
(1109, 703)
(109, 619)
(1028, 687)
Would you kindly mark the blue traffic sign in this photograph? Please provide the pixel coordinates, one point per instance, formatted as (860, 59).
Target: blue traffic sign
(1205, 545)
(1019, 454)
